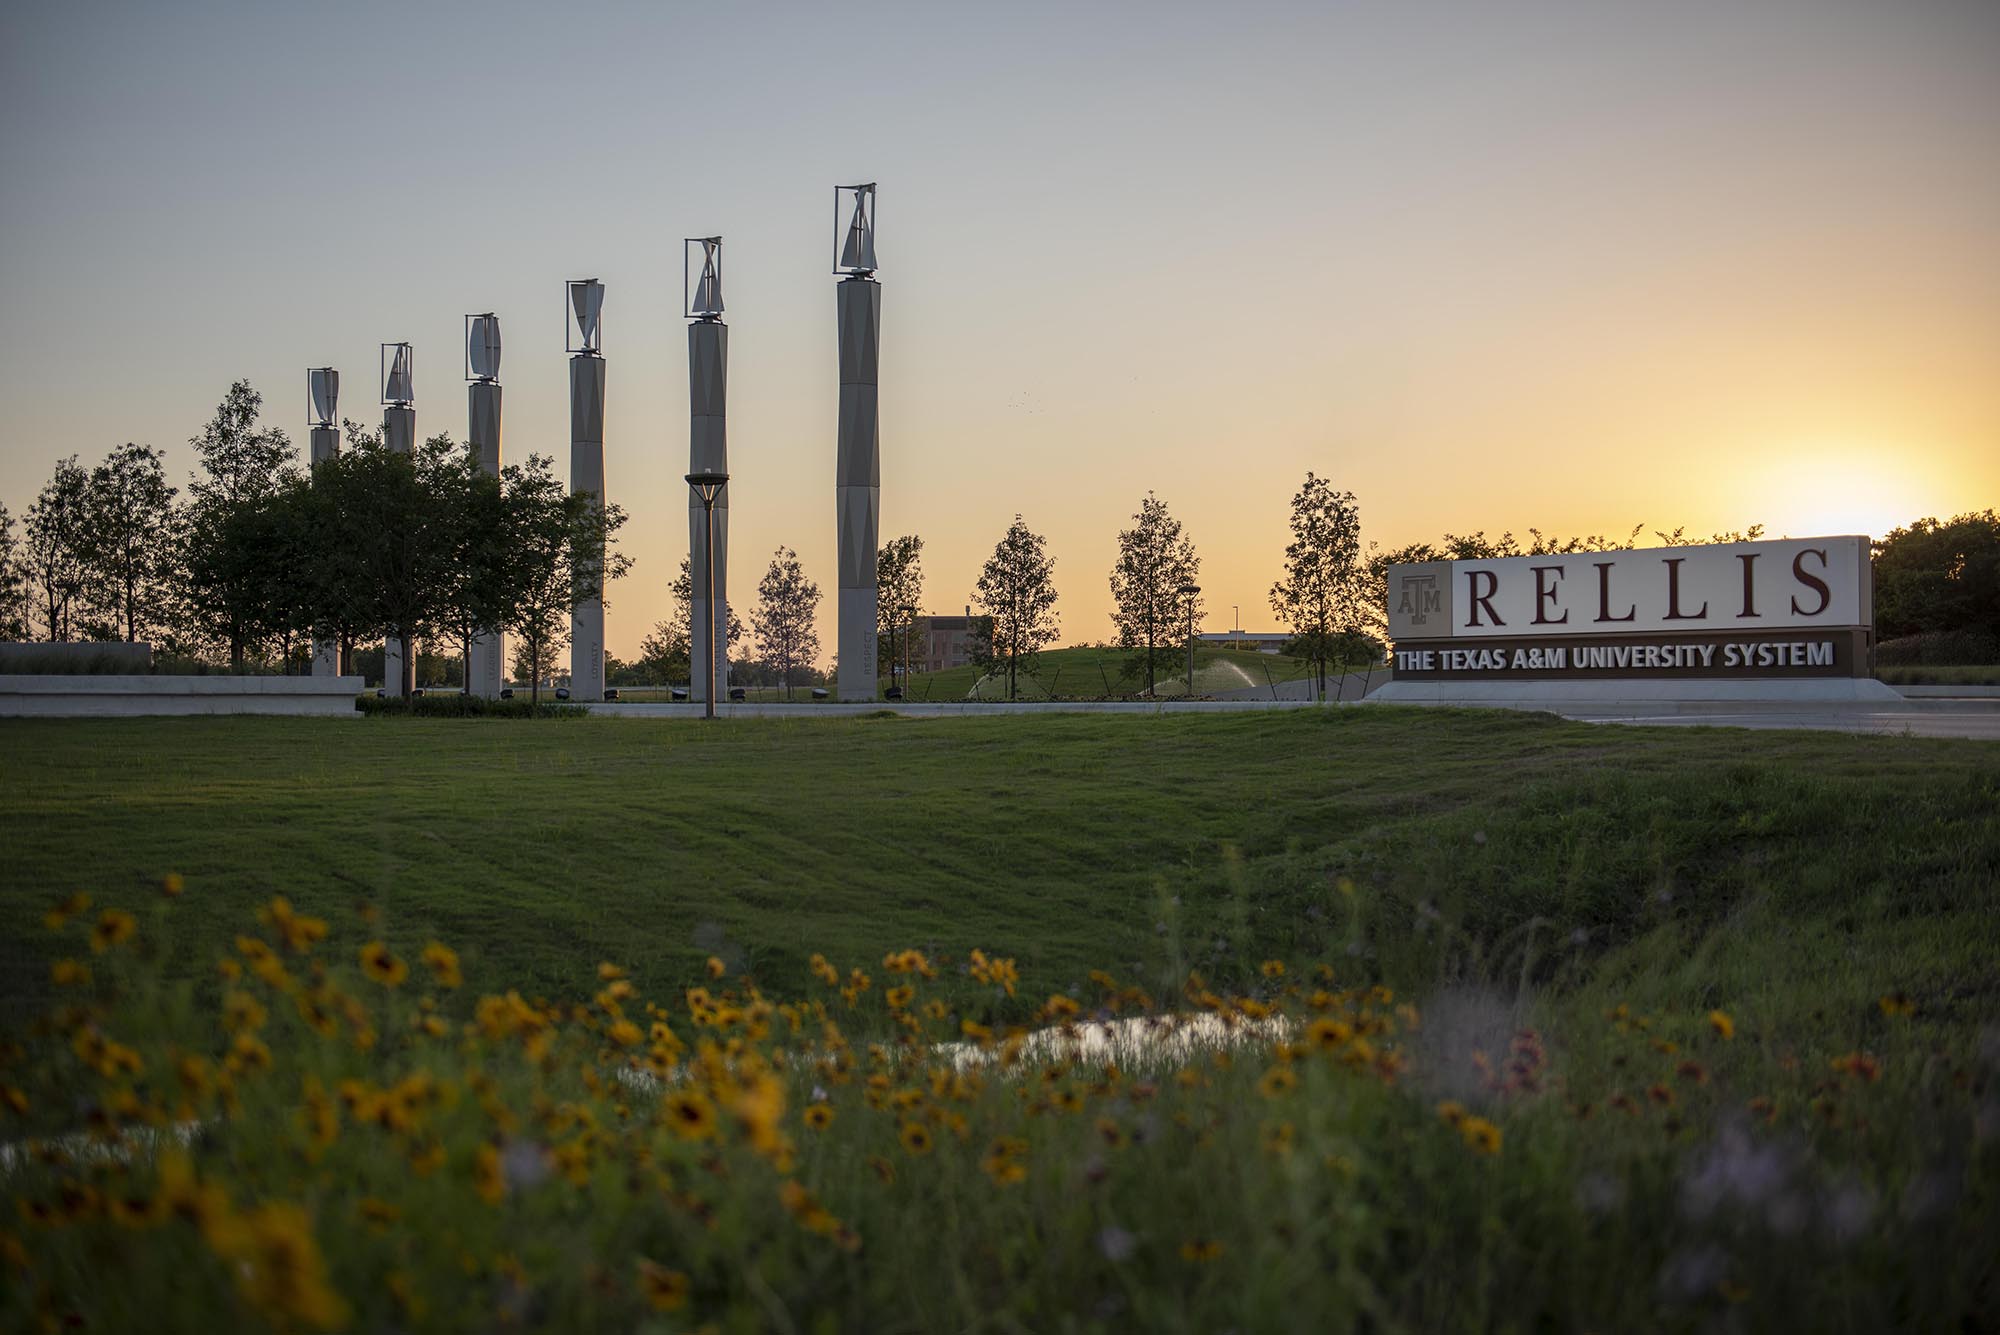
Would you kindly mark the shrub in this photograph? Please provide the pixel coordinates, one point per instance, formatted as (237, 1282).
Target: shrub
(454, 705)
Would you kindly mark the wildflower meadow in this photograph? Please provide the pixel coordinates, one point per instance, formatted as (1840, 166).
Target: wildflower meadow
(329, 1130)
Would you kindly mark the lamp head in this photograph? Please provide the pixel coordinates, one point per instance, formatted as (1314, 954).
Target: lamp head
(583, 309)
(706, 485)
(323, 392)
(701, 277)
(398, 375)
(854, 235)
(482, 347)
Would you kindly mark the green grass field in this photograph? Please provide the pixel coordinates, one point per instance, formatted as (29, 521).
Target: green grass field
(1068, 841)
(1941, 676)
(1091, 673)
(1702, 1034)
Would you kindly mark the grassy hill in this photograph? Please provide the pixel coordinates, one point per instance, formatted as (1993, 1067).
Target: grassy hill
(1090, 673)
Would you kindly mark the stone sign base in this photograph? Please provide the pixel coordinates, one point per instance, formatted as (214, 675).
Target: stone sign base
(86, 696)
(1650, 692)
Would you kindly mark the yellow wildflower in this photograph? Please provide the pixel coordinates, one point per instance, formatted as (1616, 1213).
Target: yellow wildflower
(69, 973)
(1480, 1134)
(1723, 1026)
(663, 1289)
(1277, 1082)
(916, 1138)
(383, 967)
(442, 961)
(114, 927)
(819, 1116)
(73, 906)
(279, 1269)
(691, 1115)
(1201, 1250)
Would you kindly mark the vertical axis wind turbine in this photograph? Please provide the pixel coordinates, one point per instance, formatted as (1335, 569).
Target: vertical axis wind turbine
(323, 400)
(486, 657)
(399, 436)
(583, 340)
(708, 455)
(857, 485)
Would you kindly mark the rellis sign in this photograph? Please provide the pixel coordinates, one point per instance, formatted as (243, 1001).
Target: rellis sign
(1801, 607)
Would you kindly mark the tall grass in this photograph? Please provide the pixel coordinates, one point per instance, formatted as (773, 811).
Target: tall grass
(327, 1132)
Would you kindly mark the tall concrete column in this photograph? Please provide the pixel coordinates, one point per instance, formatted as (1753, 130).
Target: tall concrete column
(858, 482)
(708, 452)
(399, 436)
(586, 474)
(323, 394)
(486, 657)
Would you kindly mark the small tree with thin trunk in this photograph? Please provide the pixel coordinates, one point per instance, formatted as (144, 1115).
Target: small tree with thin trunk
(784, 622)
(13, 582)
(561, 554)
(899, 588)
(129, 543)
(226, 541)
(1320, 599)
(1017, 592)
(1155, 561)
(53, 560)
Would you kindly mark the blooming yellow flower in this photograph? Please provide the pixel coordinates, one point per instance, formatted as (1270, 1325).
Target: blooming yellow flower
(1480, 1134)
(625, 1034)
(1279, 1138)
(442, 961)
(1272, 968)
(242, 1012)
(1277, 1082)
(690, 1114)
(1723, 1026)
(383, 967)
(1451, 1112)
(1897, 1005)
(69, 973)
(171, 885)
(1201, 1250)
(716, 968)
(279, 1269)
(113, 927)
(819, 1116)
(663, 1289)
(899, 997)
(916, 1138)
(298, 932)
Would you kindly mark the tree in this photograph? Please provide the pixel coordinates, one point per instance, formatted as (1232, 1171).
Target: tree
(1933, 577)
(1156, 560)
(899, 594)
(664, 653)
(56, 532)
(560, 547)
(1017, 593)
(1320, 597)
(784, 622)
(477, 592)
(13, 582)
(227, 540)
(131, 534)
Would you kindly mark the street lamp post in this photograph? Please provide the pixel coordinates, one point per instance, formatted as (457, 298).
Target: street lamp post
(909, 616)
(708, 486)
(1188, 592)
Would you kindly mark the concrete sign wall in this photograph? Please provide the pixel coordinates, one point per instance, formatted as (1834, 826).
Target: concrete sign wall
(1800, 607)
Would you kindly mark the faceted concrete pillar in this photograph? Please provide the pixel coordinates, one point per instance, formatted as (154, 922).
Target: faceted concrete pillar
(858, 483)
(708, 452)
(586, 474)
(326, 652)
(399, 435)
(486, 664)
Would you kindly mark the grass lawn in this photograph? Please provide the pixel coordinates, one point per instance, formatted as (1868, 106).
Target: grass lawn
(1090, 673)
(1480, 843)
(1702, 1034)
(1941, 676)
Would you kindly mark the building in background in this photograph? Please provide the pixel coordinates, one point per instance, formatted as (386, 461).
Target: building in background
(947, 642)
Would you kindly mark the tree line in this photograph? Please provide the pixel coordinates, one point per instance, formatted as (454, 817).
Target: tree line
(265, 556)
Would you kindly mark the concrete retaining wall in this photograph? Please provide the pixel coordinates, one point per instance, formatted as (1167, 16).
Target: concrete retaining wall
(86, 696)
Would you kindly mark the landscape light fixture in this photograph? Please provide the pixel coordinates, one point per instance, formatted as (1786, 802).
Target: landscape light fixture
(708, 486)
(323, 394)
(1190, 591)
(701, 277)
(482, 348)
(399, 370)
(854, 229)
(583, 310)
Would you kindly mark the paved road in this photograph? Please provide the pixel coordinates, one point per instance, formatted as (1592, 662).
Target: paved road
(1978, 719)
(1980, 722)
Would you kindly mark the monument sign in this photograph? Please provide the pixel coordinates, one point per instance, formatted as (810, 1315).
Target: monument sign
(1799, 607)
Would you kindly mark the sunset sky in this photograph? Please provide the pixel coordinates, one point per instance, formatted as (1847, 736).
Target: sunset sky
(1487, 264)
